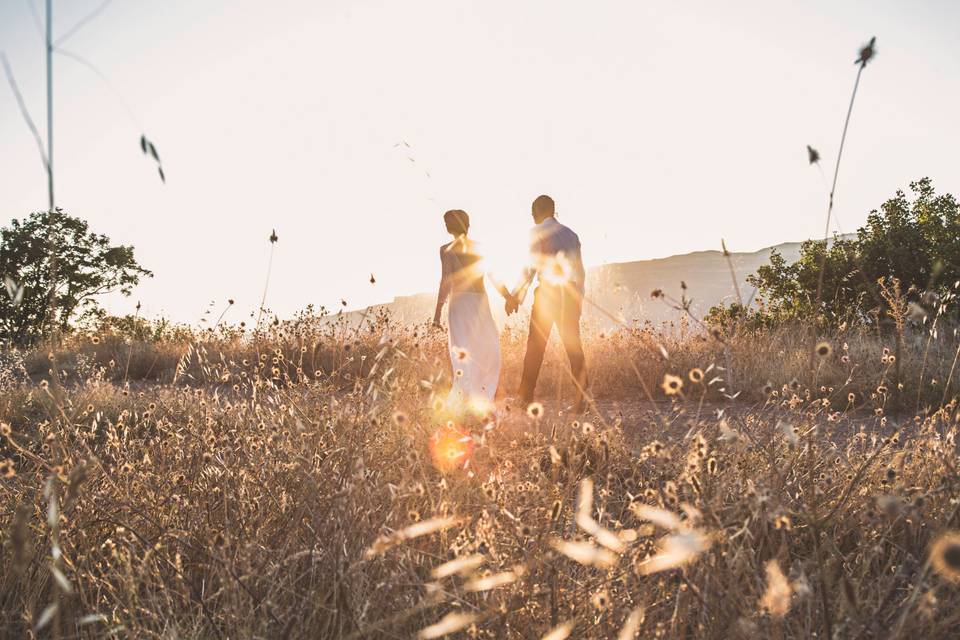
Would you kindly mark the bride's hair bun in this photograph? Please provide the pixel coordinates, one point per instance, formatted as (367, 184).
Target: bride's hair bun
(457, 220)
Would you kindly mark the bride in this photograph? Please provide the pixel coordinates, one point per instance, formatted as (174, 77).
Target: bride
(473, 339)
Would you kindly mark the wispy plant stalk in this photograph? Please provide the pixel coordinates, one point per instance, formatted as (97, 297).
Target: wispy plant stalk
(866, 54)
(266, 285)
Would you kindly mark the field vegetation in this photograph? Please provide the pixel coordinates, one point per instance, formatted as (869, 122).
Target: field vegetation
(307, 482)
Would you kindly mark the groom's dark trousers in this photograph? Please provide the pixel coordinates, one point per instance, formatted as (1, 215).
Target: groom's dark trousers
(554, 305)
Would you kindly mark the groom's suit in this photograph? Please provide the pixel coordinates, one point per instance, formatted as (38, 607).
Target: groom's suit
(558, 299)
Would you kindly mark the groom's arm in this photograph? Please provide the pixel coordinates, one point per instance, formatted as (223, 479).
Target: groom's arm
(532, 268)
(520, 291)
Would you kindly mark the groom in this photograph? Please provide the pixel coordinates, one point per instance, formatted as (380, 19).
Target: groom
(558, 298)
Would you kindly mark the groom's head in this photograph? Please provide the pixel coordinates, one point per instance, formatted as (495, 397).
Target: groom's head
(542, 209)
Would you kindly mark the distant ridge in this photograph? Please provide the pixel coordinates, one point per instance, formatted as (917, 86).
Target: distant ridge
(623, 288)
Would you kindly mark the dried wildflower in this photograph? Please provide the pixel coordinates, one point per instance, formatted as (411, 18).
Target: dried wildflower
(7, 468)
(671, 385)
(491, 582)
(586, 522)
(676, 550)
(916, 313)
(696, 375)
(776, 599)
(415, 530)
(219, 540)
(535, 410)
(823, 350)
(560, 632)
(660, 517)
(632, 624)
(555, 510)
(601, 599)
(727, 434)
(464, 565)
(5, 430)
(461, 354)
(450, 623)
(790, 433)
(586, 553)
(866, 53)
(945, 556)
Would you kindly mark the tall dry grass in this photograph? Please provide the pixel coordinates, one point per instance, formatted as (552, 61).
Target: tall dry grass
(303, 484)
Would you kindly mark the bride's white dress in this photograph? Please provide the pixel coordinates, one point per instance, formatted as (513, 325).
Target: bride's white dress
(474, 340)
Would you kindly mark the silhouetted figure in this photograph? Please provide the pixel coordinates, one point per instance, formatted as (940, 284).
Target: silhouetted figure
(474, 341)
(558, 299)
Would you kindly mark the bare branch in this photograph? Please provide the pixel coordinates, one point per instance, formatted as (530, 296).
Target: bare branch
(36, 17)
(24, 110)
(83, 22)
(92, 67)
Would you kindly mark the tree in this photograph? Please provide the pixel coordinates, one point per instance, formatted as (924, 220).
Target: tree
(790, 289)
(916, 242)
(46, 294)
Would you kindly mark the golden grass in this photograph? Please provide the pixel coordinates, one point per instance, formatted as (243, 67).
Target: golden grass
(287, 487)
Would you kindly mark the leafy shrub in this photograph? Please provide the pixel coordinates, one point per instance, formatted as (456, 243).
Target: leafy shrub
(915, 241)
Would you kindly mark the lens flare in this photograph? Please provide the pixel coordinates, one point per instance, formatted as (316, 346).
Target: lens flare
(457, 405)
(480, 406)
(450, 447)
(556, 270)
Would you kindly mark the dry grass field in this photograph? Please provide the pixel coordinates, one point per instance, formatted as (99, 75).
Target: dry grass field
(307, 483)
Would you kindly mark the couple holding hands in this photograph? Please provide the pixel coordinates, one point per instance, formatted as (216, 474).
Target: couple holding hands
(474, 341)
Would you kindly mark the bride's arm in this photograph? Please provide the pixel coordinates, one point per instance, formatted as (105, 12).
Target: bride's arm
(443, 290)
(498, 285)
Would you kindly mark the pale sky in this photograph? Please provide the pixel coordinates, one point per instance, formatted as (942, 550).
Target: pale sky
(658, 127)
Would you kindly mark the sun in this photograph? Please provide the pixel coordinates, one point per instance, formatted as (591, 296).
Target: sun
(502, 261)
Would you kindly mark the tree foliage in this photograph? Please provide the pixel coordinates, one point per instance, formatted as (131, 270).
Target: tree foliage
(44, 294)
(916, 241)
